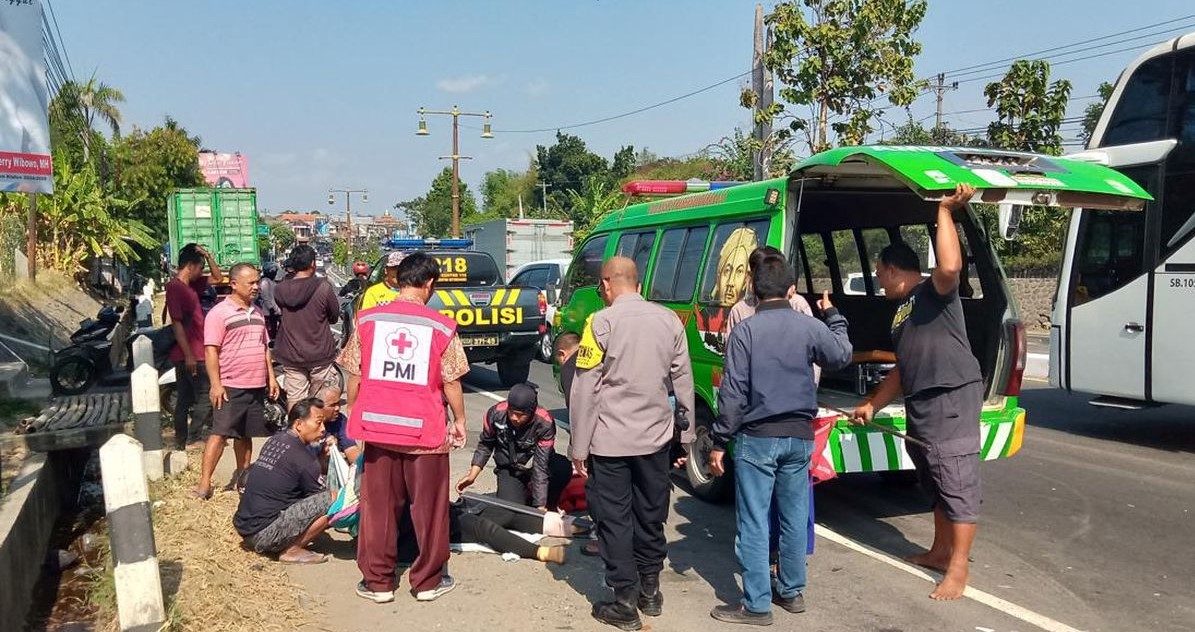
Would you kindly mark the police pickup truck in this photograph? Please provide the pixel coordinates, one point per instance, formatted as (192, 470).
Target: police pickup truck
(497, 323)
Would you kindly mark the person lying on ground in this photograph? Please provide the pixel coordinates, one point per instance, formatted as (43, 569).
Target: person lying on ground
(472, 521)
(284, 505)
(521, 437)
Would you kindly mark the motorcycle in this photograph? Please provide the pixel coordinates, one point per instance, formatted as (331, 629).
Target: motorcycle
(88, 359)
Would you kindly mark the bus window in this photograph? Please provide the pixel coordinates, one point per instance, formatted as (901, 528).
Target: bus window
(1140, 114)
(677, 262)
(1183, 156)
(816, 263)
(1109, 253)
(587, 268)
(725, 276)
(637, 246)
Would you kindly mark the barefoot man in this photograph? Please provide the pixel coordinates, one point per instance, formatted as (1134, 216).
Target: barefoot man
(942, 387)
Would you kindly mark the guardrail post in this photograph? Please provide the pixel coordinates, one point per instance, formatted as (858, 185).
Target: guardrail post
(143, 351)
(147, 418)
(139, 602)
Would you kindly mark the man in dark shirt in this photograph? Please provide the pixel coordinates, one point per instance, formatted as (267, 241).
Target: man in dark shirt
(186, 317)
(766, 404)
(284, 505)
(943, 391)
(521, 437)
(305, 346)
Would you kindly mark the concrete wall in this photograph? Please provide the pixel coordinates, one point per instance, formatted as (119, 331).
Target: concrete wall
(1034, 298)
(46, 484)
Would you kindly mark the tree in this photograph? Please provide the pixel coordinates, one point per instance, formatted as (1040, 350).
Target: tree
(340, 253)
(149, 165)
(838, 58)
(80, 220)
(569, 165)
(734, 157)
(914, 133)
(589, 204)
(1029, 109)
(281, 234)
(85, 103)
(432, 214)
(502, 189)
(1091, 115)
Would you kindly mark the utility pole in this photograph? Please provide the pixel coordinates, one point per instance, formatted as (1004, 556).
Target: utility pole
(544, 187)
(348, 208)
(941, 87)
(456, 156)
(31, 238)
(761, 84)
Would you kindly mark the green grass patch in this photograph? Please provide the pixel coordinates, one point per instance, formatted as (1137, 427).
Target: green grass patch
(14, 410)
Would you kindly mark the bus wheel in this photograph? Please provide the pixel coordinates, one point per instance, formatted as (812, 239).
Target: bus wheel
(706, 486)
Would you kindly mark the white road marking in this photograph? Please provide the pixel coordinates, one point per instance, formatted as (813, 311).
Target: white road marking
(481, 391)
(1007, 607)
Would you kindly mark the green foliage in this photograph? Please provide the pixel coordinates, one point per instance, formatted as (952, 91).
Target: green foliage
(1091, 115)
(733, 157)
(149, 165)
(838, 58)
(914, 133)
(1037, 251)
(340, 252)
(1029, 109)
(588, 206)
(431, 214)
(502, 189)
(281, 234)
(80, 220)
(569, 165)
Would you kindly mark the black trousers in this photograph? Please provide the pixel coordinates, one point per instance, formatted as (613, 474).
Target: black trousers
(630, 495)
(192, 399)
(515, 486)
(490, 526)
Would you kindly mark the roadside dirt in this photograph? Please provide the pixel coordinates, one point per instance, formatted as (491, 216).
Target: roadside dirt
(44, 313)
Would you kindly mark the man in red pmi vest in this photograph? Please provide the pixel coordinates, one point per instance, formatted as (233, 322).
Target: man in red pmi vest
(404, 361)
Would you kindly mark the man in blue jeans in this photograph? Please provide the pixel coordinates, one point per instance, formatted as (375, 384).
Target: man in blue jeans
(766, 403)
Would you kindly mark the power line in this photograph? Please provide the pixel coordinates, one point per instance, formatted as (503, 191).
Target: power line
(1059, 63)
(1071, 45)
(60, 40)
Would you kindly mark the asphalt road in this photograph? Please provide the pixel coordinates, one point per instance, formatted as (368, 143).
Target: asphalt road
(1088, 528)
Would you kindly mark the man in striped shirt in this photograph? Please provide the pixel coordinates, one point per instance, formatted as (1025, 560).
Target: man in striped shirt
(241, 374)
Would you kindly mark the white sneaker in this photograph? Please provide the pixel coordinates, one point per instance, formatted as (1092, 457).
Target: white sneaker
(364, 592)
(447, 583)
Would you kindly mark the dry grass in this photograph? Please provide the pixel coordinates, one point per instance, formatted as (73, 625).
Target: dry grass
(210, 582)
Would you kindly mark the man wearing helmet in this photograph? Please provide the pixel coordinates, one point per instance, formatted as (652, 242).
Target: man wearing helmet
(356, 284)
(386, 291)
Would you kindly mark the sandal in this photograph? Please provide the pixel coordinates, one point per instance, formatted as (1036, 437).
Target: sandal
(195, 493)
(306, 557)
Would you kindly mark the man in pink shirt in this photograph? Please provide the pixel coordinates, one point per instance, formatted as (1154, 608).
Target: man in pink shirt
(240, 371)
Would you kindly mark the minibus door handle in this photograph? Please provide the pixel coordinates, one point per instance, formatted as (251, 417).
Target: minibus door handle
(1135, 328)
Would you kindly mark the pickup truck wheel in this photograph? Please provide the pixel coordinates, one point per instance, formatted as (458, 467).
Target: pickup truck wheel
(511, 372)
(705, 485)
(543, 350)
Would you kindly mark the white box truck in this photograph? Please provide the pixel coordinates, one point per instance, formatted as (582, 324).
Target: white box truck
(514, 242)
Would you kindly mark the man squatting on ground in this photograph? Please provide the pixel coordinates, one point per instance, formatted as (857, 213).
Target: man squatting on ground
(521, 437)
(285, 505)
(241, 375)
(766, 404)
(943, 391)
(405, 360)
(632, 355)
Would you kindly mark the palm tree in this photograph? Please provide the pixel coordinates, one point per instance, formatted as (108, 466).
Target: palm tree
(88, 102)
(588, 206)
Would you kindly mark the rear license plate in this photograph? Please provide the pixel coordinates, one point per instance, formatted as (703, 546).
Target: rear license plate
(479, 341)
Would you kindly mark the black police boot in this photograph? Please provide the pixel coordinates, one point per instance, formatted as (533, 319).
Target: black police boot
(620, 613)
(651, 600)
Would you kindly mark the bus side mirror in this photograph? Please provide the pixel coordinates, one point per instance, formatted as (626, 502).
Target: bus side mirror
(1010, 220)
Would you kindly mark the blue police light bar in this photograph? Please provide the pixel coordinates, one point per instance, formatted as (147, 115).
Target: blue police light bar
(418, 244)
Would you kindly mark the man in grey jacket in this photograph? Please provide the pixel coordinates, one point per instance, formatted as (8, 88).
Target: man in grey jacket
(632, 354)
(766, 402)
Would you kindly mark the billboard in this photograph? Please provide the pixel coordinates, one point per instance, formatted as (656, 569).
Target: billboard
(224, 170)
(25, 163)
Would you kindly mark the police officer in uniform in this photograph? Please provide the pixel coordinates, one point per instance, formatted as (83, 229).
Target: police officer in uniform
(632, 355)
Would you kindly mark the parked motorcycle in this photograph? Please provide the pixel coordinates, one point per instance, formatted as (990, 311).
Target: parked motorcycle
(88, 359)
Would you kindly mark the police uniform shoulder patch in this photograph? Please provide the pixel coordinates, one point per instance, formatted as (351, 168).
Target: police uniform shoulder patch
(589, 354)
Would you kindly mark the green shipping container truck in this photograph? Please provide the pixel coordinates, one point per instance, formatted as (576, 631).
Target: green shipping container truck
(222, 220)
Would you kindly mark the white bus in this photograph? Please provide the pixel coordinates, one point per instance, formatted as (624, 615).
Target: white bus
(1123, 325)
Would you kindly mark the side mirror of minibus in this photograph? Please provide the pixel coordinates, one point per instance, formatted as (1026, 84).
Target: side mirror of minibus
(1010, 220)
(552, 293)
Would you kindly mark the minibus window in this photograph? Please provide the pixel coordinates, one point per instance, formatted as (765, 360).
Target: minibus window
(725, 276)
(587, 268)
(637, 246)
(850, 264)
(817, 263)
(678, 261)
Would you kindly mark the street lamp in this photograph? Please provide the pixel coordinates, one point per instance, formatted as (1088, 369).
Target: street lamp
(348, 207)
(486, 132)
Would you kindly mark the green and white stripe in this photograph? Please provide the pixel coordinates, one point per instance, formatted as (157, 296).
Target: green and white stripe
(853, 449)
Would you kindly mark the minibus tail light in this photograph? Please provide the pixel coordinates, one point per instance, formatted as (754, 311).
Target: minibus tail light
(1017, 351)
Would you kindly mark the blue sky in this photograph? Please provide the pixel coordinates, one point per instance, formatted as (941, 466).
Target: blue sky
(324, 94)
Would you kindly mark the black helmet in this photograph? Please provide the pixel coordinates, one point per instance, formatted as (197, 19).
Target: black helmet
(269, 269)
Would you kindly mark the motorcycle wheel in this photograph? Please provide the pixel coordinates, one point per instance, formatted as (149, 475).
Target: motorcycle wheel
(275, 414)
(168, 397)
(72, 375)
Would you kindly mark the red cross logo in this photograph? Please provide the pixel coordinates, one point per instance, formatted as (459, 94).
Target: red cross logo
(401, 344)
